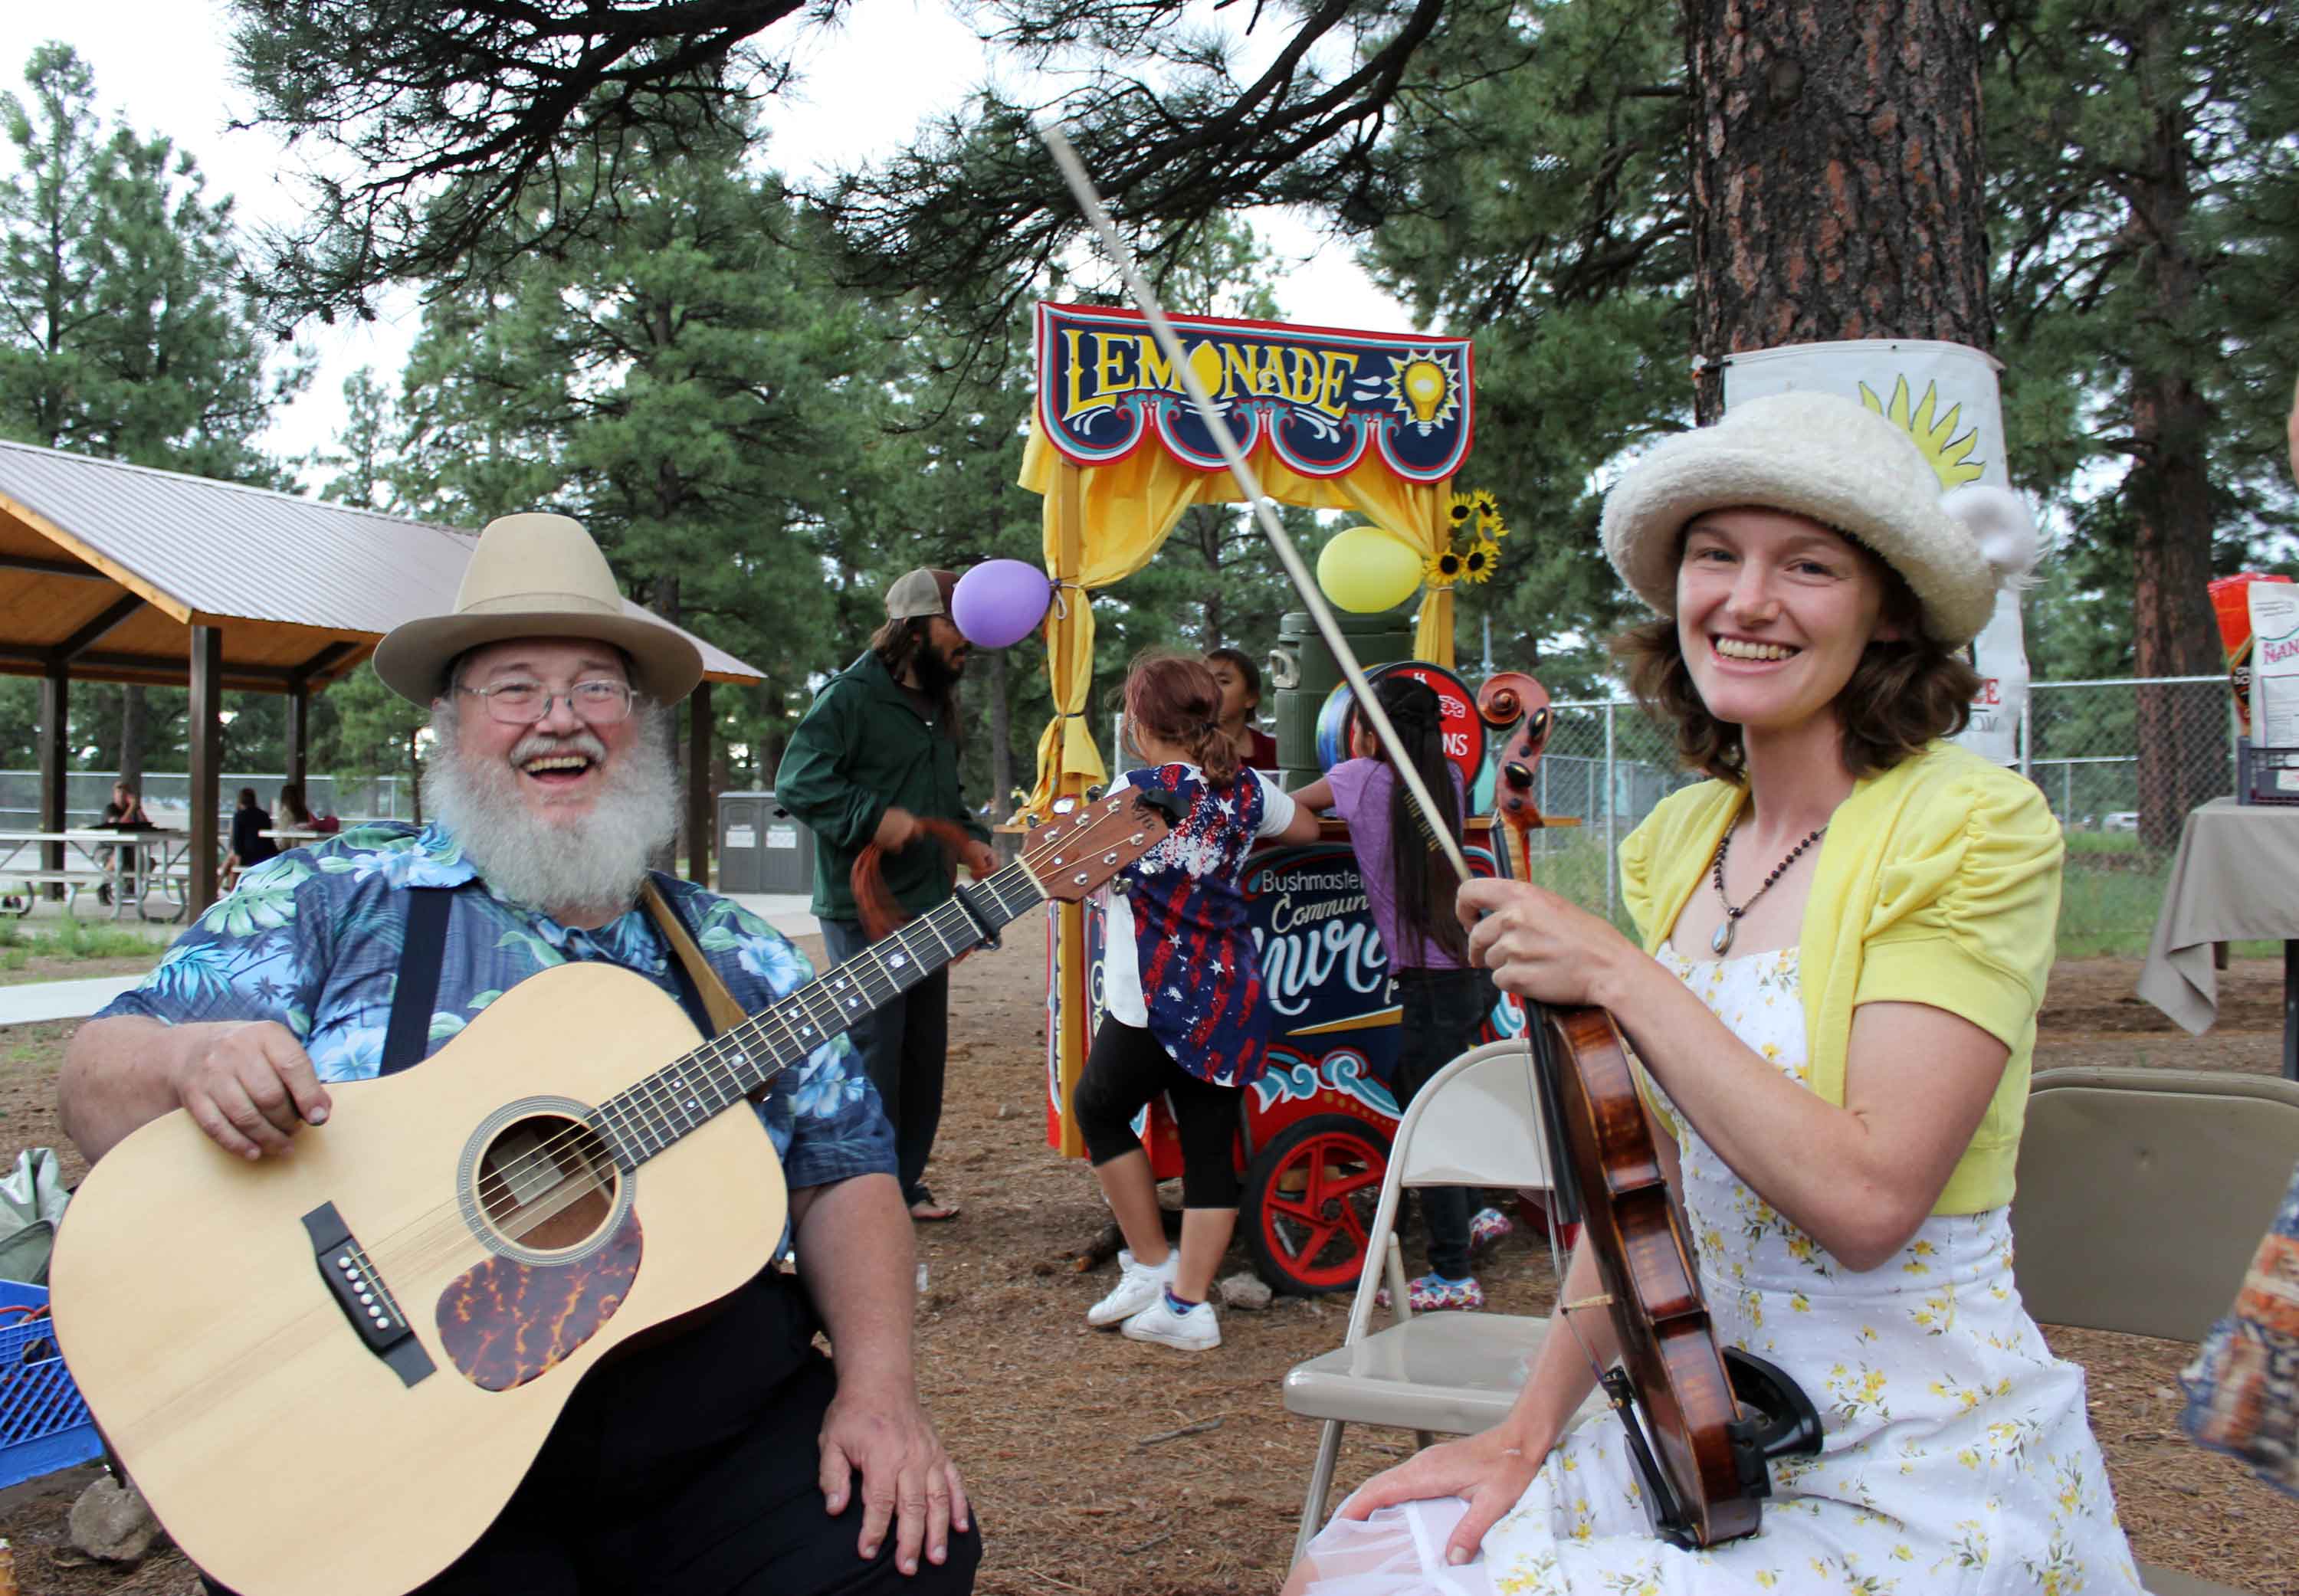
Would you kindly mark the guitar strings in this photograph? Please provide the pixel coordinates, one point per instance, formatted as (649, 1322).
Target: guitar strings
(1013, 891)
(806, 1018)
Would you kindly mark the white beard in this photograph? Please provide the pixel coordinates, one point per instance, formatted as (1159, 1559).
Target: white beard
(590, 869)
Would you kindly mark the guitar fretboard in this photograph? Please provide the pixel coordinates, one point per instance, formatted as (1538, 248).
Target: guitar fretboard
(651, 1115)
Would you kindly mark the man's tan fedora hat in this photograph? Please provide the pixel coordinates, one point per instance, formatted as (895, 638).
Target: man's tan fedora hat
(537, 575)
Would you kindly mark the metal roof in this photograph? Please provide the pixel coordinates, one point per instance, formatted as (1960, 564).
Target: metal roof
(300, 589)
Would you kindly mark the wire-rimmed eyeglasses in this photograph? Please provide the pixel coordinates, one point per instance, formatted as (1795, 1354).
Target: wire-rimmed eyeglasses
(602, 702)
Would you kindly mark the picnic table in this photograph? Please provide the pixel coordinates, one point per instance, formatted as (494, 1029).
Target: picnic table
(2236, 878)
(132, 863)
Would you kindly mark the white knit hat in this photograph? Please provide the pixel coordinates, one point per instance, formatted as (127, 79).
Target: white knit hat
(1843, 465)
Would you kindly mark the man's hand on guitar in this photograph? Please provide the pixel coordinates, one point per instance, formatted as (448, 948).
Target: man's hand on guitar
(250, 1085)
(908, 1479)
(897, 826)
(1489, 1471)
(979, 860)
(1540, 945)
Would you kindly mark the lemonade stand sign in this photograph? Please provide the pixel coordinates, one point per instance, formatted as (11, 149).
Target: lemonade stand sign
(1372, 423)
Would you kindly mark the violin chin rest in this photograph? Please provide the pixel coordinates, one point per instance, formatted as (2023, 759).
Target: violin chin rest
(1778, 1421)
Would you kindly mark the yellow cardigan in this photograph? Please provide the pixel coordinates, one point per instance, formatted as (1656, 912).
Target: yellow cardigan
(1938, 882)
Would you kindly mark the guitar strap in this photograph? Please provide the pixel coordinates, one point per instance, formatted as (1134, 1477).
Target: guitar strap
(692, 969)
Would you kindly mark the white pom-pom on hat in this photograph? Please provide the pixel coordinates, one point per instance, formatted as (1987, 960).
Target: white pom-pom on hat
(2001, 524)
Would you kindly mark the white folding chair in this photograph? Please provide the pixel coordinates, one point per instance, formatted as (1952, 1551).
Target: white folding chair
(1475, 1123)
(2141, 1198)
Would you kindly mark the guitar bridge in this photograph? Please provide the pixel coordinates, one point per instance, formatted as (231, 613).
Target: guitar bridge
(359, 1290)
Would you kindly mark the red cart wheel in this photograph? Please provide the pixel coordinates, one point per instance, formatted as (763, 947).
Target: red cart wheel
(1309, 1201)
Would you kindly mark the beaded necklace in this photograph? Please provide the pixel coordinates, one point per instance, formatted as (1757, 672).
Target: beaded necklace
(1722, 941)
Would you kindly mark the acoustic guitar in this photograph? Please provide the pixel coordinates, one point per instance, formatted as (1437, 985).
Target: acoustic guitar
(327, 1372)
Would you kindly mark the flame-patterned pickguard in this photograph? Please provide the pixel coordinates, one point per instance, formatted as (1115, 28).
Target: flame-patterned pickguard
(506, 1322)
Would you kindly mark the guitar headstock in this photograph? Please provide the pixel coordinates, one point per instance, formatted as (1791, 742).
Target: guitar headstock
(1073, 853)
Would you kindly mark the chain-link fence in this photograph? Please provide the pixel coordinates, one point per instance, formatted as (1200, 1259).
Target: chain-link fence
(170, 796)
(2121, 762)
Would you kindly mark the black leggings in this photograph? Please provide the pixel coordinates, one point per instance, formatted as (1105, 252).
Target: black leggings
(1124, 1072)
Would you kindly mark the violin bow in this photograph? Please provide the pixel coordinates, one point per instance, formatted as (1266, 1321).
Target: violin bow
(1538, 1042)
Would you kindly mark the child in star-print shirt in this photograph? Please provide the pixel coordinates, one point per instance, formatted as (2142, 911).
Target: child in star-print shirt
(1182, 1015)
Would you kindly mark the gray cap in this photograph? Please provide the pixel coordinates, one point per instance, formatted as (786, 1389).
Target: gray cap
(920, 592)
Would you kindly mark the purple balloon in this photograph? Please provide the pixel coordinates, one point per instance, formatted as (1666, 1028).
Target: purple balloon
(1000, 602)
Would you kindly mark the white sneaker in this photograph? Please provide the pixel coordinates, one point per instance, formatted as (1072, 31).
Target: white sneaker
(1197, 1331)
(1139, 1285)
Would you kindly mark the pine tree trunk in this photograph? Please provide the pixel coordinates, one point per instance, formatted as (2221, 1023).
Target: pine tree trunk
(1835, 176)
(2182, 757)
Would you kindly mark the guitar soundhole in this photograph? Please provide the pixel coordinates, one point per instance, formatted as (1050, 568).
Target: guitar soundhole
(546, 1183)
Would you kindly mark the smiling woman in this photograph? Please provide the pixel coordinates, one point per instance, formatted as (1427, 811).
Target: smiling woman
(1839, 1104)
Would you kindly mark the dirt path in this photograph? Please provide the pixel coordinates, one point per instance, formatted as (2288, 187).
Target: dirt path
(1106, 1468)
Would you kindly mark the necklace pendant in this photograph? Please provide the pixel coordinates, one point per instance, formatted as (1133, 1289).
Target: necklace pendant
(1723, 939)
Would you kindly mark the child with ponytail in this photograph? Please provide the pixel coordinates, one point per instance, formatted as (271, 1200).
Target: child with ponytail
(1409, 886)
(1182, 1015)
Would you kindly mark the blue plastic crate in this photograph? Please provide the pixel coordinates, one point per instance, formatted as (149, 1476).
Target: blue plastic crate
(43, 1424)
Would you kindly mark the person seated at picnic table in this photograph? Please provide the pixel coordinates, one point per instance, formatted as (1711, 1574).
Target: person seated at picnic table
(292, 815)
(1844, 934)
(126, 810)
(249, 845)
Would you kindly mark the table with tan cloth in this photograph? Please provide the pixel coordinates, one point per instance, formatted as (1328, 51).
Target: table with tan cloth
(2236, 878)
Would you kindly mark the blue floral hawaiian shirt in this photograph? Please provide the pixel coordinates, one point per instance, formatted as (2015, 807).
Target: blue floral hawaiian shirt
(312, 940)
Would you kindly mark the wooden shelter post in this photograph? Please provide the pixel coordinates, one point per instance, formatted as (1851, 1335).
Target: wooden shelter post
(299, 735)
(205, 728)
(700, 825)
(55, 727)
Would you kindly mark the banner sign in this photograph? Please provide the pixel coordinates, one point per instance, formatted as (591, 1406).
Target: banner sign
(1318, 397)
(1944, 396)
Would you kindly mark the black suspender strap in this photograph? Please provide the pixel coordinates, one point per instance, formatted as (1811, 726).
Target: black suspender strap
(421, 951)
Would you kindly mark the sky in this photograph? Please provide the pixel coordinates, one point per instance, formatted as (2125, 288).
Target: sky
(162, 65)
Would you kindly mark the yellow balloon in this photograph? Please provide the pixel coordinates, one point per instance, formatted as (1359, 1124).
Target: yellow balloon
(1365, 569)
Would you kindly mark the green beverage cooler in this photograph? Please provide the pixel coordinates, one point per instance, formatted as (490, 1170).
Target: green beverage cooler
(1303, 672)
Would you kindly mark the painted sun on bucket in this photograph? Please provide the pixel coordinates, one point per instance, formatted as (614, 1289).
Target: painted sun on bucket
(1949, 454)
(1425, 384)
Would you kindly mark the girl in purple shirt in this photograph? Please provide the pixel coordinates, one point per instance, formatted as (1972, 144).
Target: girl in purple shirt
(1409, 888)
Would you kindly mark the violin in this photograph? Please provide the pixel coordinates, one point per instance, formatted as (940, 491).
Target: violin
(1703, 1423)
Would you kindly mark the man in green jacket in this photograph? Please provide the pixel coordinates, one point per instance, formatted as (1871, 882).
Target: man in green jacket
(877, 751)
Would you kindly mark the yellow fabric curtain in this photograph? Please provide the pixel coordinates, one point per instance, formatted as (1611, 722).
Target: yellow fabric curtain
(1123, 510)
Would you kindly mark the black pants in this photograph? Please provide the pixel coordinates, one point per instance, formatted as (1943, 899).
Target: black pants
(643, 1491)
(1124, 1072)
(1443, 1011)
(905, 1048)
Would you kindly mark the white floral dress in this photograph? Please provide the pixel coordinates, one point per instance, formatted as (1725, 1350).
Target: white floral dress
(1958, 1457)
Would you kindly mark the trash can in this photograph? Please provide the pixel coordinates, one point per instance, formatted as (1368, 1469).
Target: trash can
(763, 847)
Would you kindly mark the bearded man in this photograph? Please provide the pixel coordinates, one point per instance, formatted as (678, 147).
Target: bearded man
(877, 751)
(730, 1455)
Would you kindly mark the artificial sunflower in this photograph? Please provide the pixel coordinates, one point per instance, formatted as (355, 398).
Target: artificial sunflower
(1461, 511)
(1488, 511)
(1443, 569)
(1479, 560)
